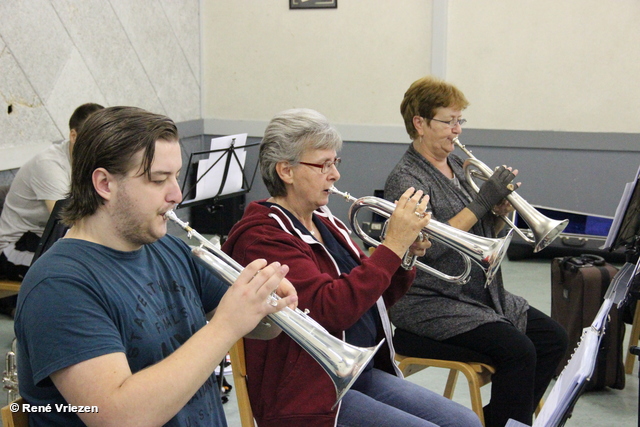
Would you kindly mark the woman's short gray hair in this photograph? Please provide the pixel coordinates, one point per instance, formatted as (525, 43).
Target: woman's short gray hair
(288, 135)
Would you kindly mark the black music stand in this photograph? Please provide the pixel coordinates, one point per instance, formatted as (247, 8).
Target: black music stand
(217, 213)
(625, 231)
(572, 380)
(230, 157)
(571, 383)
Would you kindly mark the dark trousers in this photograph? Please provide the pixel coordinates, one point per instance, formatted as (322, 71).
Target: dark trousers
(525, 364)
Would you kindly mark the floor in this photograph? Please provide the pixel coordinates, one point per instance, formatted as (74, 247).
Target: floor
(531, 279)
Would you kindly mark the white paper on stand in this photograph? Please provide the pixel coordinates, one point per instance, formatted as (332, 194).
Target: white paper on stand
(211, 170)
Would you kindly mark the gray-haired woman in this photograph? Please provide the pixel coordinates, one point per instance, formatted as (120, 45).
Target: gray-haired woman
(346, 292)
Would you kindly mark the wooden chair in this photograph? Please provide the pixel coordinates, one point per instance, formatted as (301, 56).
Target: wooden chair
(239, 370)
(633, 340)
(14, 419)
(477, 374)
(9, 287)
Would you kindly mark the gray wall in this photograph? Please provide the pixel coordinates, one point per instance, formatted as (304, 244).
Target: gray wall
(573, 177)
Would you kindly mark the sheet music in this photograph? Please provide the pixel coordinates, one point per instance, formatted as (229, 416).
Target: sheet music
(621, 210)
(570, 381)
(211, 170)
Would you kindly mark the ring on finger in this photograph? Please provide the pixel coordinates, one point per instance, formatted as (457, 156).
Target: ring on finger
(420, 214)
(272, 302)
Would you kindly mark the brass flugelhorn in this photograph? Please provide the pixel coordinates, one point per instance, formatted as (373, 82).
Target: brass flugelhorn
(486, 252)
(343, 362)
(543, 229)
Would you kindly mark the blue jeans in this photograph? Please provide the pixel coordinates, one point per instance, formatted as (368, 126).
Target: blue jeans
(388, 401)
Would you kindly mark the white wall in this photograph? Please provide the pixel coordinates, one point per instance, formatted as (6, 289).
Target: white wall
(562, 65)
(352, 63)
(58, 54)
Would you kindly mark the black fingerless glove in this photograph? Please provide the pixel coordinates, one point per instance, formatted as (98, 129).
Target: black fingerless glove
(492, 192)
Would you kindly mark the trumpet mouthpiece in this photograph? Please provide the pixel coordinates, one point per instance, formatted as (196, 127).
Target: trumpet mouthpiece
(347, 196)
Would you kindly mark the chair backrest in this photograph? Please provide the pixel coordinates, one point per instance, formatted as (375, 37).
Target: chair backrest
(239, 369)
(14, 419)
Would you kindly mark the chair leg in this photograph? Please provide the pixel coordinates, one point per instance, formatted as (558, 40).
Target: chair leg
(474, 393)
(240, 383)
(633, 340)
(451, 384)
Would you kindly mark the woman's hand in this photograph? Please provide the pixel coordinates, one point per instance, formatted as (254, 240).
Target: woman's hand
(503, 208)
(420, 246)
(407, 221)
(493, 191)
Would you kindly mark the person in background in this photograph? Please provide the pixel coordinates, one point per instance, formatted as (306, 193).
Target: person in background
(113, 317)
(484, 322)
(38, 184)
(345, 291)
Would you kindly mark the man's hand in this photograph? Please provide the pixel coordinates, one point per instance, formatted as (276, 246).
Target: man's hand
(249, 299)
(286, 289)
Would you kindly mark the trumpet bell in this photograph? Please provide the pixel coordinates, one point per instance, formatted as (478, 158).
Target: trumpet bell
(544, 230)
(494, 255)
(544, 239)
(347, 372)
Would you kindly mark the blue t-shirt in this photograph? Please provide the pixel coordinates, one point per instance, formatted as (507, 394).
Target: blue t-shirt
(82, 300)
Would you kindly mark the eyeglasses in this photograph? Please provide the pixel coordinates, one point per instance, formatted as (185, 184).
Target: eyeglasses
(452, 123)
(326, 166)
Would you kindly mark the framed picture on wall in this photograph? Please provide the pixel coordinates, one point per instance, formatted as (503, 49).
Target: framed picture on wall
(313, 4)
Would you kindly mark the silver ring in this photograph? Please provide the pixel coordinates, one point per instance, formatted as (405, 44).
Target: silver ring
(272, 302)
(420, 214)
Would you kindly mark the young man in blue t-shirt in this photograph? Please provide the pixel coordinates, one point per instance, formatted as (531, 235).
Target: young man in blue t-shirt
(113, 318)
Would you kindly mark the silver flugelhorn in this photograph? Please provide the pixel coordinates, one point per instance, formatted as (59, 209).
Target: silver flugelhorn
(544, 229)
(486, 252)
(343, 362)
(10, 377)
